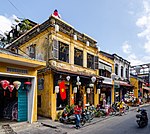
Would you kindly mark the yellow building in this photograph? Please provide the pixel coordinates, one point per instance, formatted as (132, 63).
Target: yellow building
(18, 103)
(140, 88)
(71, 74)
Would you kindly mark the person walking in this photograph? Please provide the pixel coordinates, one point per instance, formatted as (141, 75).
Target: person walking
(78, 111)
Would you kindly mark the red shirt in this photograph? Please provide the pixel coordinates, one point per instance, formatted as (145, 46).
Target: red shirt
(77, 110)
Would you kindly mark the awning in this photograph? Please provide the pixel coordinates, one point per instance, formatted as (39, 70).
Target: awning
(73, 73)
(146, 88)
(122, 83)
(104, 66)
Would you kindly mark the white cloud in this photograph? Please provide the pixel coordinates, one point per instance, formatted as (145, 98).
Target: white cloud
(134, 60)
(147, 46)
(144, 23)
(126, 47)
(6, 23)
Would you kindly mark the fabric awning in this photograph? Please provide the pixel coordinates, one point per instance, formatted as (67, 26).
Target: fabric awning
(104, 66)
(73, 73)
(146, 88)
(122, 83)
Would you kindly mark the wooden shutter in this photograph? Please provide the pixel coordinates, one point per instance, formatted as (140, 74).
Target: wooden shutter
(40, 83)
(22, 104)
(55, 49)
(95, 62)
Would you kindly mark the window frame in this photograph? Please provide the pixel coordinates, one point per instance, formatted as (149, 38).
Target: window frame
(65, 53)
(122, 73)
(116, 68)
(90, 64)
(79, 59)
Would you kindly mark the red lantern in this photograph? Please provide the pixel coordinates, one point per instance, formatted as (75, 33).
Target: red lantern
(27, 85)
(4, 84)
(11, 87)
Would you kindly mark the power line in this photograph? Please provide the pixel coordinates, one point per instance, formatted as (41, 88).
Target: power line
(16, 8)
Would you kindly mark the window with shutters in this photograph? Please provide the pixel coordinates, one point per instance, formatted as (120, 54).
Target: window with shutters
(105, 70)
(55, 49)
(127, 73)
(40, 83)
(32, 50)
(78, 57)
(90, 61)
(95, 62)
(121, 71)
(116, 69)
(63, 52)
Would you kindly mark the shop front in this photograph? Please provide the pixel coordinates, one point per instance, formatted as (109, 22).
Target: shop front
(123, 90)
(18, 87)
(64, 87)
(146, 94)
(105, 95)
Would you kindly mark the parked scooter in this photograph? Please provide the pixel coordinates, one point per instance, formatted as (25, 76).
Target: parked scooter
(142, 119)
(67, 117)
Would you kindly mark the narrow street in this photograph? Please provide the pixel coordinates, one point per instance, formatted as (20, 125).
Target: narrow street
(125, 124)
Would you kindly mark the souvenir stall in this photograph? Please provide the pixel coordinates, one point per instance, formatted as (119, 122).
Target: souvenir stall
(18, 87)
(14, 98)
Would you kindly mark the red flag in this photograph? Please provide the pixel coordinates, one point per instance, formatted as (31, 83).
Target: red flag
(62, 90)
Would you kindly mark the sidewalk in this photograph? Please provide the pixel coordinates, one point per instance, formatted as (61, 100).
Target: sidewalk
(58, 125)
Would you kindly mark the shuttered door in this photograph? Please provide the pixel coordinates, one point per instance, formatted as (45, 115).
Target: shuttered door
(22, 104)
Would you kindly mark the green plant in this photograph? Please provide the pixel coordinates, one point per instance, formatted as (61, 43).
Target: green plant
(58, 116)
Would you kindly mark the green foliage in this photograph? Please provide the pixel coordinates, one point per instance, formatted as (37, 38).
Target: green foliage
(58, 115)
(25, 25)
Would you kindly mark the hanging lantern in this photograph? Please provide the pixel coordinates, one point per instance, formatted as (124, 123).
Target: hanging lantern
(17, 84)
(88, 90)
(91, 85)
(98, 91)
(68, 78)
(93, 79)
(75, 90)
(11, 87)
(56, 89)
(78, 78)
(4, 84)
(78, 83)
(27, 85)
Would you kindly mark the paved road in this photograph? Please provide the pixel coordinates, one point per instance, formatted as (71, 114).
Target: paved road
(125, 124)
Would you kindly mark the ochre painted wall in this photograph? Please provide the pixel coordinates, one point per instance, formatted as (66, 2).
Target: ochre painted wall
(111, 62)
(45, 95)
(134, 82)
(43, 43)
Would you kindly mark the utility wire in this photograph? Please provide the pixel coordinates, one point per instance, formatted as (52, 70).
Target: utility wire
(16, 8)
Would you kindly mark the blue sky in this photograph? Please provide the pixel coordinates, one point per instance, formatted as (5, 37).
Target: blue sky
(119, 26)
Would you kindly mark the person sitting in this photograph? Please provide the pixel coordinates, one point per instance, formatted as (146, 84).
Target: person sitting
(121, 106)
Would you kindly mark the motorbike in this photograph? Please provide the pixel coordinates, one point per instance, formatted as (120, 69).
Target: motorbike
(142, 119)
(67, 117)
